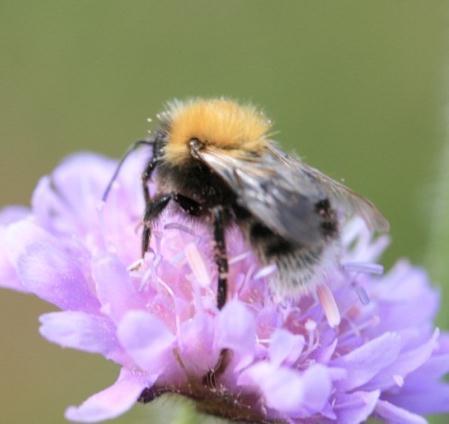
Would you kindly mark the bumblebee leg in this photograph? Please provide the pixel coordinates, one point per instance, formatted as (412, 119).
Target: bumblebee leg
(154, 208)
(210, 379)
(192, 207)
(146, 176)
(149, 203)
(220, 256)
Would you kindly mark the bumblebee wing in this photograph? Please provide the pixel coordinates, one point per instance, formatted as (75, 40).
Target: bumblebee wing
(271, 191)
(340, 195)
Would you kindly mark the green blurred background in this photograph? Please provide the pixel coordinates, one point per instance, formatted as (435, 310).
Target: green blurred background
(357, 88)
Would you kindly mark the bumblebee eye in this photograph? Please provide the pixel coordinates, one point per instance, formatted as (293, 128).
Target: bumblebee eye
(195, 145)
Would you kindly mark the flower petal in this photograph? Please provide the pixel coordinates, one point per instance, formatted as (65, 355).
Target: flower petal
(282, 387)
(78, 330)
(53, 272)
(289, 391)
(114, 288)
(8, 275)
(395, 415)
(146, 339)
(431, 398)
(284, 390)
(405, 291)
(365, 362)
(196, 343)
(354, 408)
(68, 203)
(318, 387)
(236, 329)
(404, 364)
(12, 214)
(433, 370)
(68, 200)
(424, 391)
(285, 346)
(113, 401)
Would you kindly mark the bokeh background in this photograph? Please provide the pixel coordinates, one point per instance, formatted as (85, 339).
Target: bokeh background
(359, 89)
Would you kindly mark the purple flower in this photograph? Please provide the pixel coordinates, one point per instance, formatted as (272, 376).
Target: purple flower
(256, 359)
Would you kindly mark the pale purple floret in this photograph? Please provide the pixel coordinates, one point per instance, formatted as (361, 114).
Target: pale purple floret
(159, 323)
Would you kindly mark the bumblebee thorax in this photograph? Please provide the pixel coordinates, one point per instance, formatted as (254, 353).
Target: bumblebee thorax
(222, 123)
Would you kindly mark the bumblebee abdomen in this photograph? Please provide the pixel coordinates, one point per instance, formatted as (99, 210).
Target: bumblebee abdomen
(297, 263)
(273, 245)
(269, 244)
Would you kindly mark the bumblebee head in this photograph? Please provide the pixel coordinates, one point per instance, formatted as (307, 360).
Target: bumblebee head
(219, 123)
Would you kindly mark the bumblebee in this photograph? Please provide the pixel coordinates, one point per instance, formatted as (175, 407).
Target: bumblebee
(215, 160)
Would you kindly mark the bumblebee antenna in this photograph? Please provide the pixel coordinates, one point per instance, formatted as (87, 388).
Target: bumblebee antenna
(130, 150)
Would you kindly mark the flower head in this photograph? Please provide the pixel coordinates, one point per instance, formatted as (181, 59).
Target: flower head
(257, 359)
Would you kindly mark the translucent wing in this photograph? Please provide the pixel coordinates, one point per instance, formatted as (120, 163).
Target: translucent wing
(271, 191)
(339, 195)
(282, 191)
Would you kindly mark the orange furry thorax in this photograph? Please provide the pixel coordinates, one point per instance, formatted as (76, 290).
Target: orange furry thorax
(221, 123)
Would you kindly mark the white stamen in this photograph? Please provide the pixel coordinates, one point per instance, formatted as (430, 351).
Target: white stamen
(246, 279)
(399, 380)
(365, 267)
(147, 278)
(357, 329)
(267, 270)
(172, 295)
(136, 265)
(197, 265)
(178, 226)
(352, 231)
(239, 258)
(362, 294)
(310, 325)
(312, 337)
(166, 287)
(329, 305)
